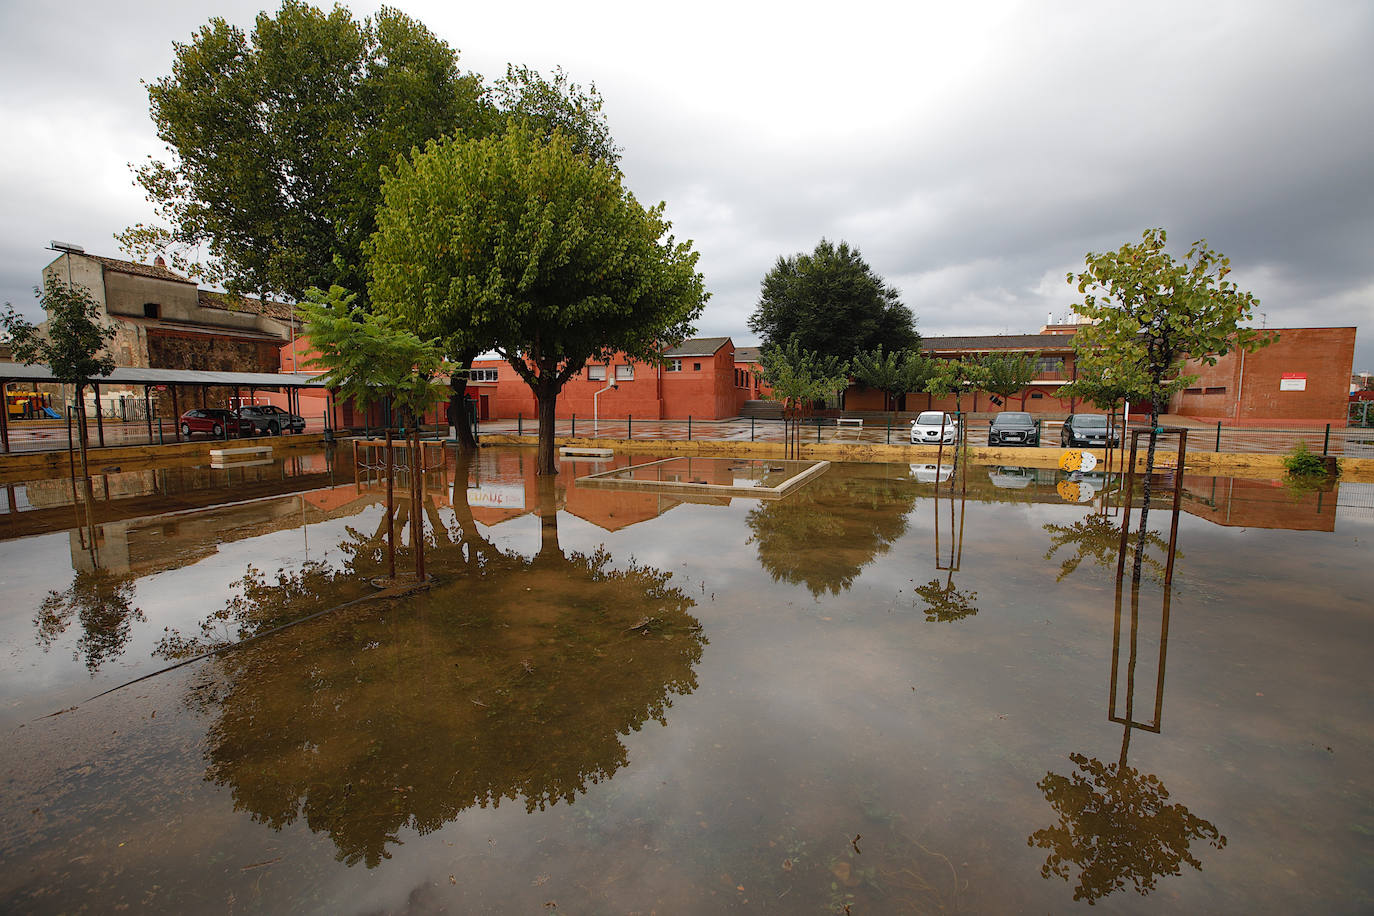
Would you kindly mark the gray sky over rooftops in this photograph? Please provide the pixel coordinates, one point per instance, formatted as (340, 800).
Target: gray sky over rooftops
(973, 152)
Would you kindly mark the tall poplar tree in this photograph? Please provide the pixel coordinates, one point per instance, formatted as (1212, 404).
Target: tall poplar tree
(276, 140)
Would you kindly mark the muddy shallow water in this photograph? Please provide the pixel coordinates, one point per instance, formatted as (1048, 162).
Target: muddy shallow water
(871, 693)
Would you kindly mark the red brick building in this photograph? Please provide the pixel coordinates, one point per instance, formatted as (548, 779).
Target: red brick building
(699, 378)
(1303, 378)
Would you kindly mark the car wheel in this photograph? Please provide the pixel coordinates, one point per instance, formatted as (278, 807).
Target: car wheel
(186, 430)
(219, 430)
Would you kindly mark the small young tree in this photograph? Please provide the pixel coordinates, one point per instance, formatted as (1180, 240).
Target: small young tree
(798, 379)
(367, 357)
(1148, 312)
(1008, 373)
(70, 347)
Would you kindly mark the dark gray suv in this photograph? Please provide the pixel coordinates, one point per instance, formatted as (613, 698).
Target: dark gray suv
(271, 420)
(1014, 427)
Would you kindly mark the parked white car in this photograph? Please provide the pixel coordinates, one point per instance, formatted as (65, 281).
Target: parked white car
(930, 424)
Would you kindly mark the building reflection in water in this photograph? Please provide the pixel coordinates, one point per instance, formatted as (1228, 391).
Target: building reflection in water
(1116, 826)
(512, 678)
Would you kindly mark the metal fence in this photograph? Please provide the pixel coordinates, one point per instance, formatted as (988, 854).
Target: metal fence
(111, 430)
(1329, 440)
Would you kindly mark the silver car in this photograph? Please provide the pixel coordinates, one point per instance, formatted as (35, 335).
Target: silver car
(933, 427)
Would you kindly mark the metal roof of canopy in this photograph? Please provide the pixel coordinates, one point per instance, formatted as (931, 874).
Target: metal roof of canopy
(132, 375)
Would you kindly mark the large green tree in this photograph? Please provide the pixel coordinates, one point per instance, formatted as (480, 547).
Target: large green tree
(556, 103)
(276, 140)
(524, 245)
(833, 303)
(1147, 312)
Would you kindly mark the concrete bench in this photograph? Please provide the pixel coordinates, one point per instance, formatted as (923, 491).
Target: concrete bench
(850, 421)
(573, 451)
(242, 452)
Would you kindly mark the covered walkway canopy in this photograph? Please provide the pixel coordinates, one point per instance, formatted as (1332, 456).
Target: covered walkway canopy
(149, 378)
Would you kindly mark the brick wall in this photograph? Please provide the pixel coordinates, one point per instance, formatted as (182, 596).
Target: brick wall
(1249, 389)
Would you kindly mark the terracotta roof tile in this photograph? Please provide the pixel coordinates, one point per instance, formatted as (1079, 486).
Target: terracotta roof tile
(698, 346)
(227, 302)
(140, 270)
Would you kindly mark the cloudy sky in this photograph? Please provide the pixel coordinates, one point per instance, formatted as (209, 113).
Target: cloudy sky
(973, 152)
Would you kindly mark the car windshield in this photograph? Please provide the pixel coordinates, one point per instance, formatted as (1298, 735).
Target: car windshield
(931, 418)
(1013, 419)
(1090, 420)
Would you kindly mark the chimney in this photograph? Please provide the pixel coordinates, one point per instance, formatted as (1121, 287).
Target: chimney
(1049, 318)
(159, 262)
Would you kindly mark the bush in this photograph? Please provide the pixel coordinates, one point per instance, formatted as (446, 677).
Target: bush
(1303, 463)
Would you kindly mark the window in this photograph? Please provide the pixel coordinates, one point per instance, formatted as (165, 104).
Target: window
(1218, 390)
(1192, 391)
(1035, 395)
(152, 310)
(1045, 364)
(596, 373)
(624, 373)
(482, 375)
(696, 367)
(674, 365)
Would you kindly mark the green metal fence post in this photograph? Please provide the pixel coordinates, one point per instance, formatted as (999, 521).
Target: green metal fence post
(818, 430)
(629, 426)
(889, 430)
(574, 426)
(689, 427)
(1218, 435)
(751, 429)
(1326, 443)
(519, 424)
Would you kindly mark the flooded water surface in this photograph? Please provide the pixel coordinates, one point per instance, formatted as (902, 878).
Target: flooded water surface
(895, 689)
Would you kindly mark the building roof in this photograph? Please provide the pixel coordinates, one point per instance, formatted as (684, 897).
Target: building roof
(139, 270)
(746, 354)
(133, 375)
(190, 327)
(1027, 342)
(228, 302)
(698, 346)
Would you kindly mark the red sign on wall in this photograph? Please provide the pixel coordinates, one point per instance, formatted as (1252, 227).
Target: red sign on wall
(1293, 381)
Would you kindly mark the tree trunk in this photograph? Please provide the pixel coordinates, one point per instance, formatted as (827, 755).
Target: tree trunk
(546, 399)
(457, 404)
(87, 493)
(417, 489)
(83, 438)
(1145, 494)
(390, 509)
(549, 548)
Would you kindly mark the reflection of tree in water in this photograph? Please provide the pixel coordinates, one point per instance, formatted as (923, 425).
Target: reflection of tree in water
(1116, 825)
(826, 532)
(946, 602)
(512, 678)
(102, 602)
(1097, 537)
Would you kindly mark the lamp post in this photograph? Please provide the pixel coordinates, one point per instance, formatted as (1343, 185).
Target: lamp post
(596, 410)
